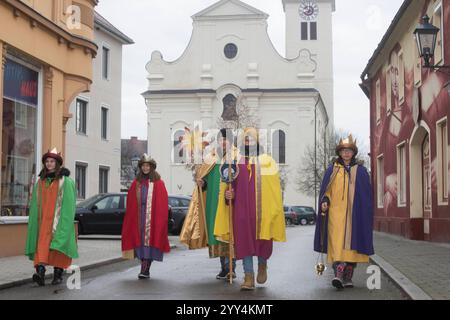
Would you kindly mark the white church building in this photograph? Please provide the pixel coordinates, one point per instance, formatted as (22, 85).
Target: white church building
(230, 56)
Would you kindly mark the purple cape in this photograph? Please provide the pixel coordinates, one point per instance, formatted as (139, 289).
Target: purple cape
(362, 225)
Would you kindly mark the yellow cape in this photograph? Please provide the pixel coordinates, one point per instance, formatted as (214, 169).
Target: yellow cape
(269, 204)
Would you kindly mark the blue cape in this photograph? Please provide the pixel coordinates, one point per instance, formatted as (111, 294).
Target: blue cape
(362, 225)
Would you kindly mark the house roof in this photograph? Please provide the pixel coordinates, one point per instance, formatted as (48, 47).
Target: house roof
(101, 22)
(222, 8)
(386, 36)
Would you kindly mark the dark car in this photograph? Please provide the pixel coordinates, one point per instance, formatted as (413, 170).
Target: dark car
(299, 215)
(180, 207)
(104, 214)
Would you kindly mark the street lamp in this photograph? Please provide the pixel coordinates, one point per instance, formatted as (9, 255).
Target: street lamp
(134, 164)
(426, 37)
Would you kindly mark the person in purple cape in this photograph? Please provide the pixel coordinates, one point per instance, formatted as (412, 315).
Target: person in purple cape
(344, 229)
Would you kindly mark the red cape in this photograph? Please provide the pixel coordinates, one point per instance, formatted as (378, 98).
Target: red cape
(131, 238)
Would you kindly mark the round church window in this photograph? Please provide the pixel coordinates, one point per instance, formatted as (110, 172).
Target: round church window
(231, 51)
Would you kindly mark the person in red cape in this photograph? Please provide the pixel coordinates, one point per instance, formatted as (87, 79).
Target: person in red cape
(145, 226)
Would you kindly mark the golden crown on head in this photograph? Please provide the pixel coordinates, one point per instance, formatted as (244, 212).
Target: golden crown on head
(54, 154)
(145, 158)
(347, 143)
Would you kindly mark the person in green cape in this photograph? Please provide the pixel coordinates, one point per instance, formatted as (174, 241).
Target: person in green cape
(198, 228)
(214, 187)
(51, 239)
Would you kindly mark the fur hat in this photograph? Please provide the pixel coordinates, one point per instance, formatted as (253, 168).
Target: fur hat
(145, 158)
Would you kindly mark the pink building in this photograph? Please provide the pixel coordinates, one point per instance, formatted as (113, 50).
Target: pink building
(410, 111)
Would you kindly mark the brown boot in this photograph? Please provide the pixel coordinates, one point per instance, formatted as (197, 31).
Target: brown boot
(262, 274)
(249, 282)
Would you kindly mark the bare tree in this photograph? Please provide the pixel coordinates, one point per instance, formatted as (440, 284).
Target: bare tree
(317, 159)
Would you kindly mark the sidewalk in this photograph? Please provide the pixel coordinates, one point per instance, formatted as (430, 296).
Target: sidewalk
(94, 251)
(419, 268)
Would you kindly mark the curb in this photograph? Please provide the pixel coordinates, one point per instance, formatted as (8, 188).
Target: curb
(93, 265)
(49, 275)
(408, 287)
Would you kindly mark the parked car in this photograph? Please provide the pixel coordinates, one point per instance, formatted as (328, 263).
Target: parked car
(104, 214)
(299, 215)
(180, 207)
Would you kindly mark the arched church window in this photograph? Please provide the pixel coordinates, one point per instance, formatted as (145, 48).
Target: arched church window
(279, 146)
(229, 108)
(230, 51)
(178, 154)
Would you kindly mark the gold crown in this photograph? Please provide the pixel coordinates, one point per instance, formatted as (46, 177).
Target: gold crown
(348, 143)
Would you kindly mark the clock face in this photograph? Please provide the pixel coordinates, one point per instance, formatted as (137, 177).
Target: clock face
(309, 10)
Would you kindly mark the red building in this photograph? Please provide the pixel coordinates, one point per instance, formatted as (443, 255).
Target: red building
(410, 111)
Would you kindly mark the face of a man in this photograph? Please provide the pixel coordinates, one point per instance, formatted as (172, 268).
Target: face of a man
(146, 168)
(347, 154)
(50, 164)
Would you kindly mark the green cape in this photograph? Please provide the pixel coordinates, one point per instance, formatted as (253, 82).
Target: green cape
(64, 239)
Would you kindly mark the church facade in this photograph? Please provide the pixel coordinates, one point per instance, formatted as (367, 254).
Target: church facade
(231, 58)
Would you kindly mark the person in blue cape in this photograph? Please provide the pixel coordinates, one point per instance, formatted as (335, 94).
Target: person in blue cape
(344, 229)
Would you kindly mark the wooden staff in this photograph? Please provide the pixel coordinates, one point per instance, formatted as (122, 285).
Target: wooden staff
(230, 207)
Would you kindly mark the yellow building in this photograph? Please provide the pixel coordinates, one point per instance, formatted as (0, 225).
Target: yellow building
(46, 51)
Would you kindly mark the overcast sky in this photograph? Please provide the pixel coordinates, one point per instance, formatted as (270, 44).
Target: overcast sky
(166, 25)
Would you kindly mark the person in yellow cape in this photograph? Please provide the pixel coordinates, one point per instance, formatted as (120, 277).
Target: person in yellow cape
(258, 216)
(198, 228)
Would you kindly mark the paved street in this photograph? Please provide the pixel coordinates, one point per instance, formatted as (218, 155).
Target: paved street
(191, 275)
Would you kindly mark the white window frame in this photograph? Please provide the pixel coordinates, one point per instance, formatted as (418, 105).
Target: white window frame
(86, 187)
(401, 77)
(87, 100)
(285, 145)
(378, 100)
(104, 167)
(106, 46)
(380, 181)
(440, 8)
(388, 89)
(108, 118)
(439, 170)
(172, 146)
(401, 175)
(417, 69)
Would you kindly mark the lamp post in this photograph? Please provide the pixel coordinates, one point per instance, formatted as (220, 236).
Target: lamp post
(134, 164)
(426, 37)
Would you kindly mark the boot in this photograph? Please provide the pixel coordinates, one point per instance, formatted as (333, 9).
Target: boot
(338, 281)
(57, 276)
(222, 274)
(39, 276)
(145, 269)
(262, 273)
(348, 275)
(249, 282)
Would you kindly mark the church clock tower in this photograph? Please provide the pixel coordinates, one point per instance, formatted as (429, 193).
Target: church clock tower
(309, 28)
